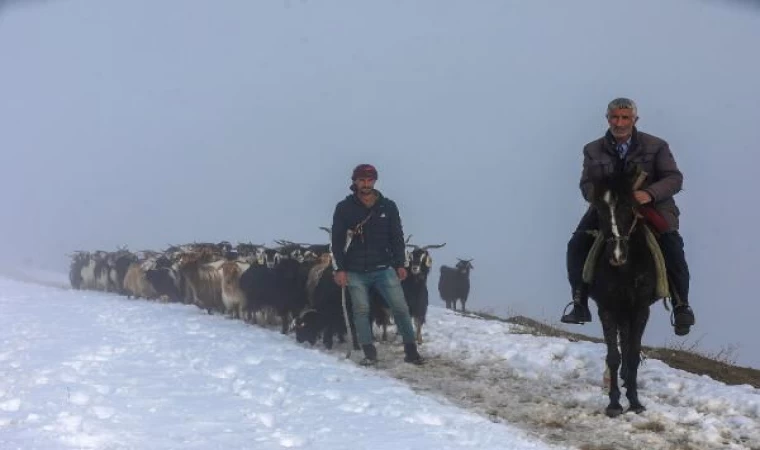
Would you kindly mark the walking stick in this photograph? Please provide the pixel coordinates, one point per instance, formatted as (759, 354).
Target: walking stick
(348, 324)
(349, 238)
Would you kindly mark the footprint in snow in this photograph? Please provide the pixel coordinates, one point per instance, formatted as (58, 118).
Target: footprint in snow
(79, 398)
(277, 377)
(289, 441)
(102, 389)
(102, 412)
(224, 373)
(332, 395)
(265, 419)
(11, 405)
(427, 419)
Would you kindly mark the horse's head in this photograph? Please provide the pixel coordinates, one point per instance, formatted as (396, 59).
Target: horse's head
(618, 216)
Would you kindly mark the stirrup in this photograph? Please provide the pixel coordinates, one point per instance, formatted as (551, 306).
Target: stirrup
(577, 307)
(682, 331)
(679, 330)
(564, 311)
(673, 314)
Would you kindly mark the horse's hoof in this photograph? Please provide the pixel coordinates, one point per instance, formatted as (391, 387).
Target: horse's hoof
(613, 411)
(638, 409)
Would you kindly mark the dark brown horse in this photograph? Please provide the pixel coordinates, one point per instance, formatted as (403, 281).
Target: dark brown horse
(624, 284)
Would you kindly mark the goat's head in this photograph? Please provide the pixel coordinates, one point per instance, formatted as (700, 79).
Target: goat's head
(419, 259)
(464, 265)
(269, 257)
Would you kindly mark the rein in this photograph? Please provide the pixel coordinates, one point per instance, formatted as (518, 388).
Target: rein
(627, 236)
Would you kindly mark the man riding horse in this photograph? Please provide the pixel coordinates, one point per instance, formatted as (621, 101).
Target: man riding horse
(622, 147)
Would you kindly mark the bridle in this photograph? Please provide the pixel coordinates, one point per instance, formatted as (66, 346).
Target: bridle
(636, 214)
(627, 236)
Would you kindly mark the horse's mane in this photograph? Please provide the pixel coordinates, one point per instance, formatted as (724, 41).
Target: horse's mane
(620, 183)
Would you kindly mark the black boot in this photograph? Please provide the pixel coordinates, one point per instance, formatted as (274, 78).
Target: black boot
(370, 355)
(671, 244)
(412, 356)
(683, 319)
(577, 251)
(683, 316)
(580, 313)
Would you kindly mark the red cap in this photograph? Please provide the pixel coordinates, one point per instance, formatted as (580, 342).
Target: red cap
(364, 171)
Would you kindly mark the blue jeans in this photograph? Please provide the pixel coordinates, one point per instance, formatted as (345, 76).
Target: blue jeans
(387, 283)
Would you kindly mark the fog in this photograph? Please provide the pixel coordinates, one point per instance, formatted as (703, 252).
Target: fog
(148, 123)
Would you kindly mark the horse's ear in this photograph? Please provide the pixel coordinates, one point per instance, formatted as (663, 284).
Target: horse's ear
(599, 187)
(631, 173)
(596, 187)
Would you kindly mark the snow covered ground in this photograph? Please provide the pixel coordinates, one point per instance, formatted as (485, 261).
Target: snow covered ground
(93, 370)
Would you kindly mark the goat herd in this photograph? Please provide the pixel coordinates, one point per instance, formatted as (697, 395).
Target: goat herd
(291, 282)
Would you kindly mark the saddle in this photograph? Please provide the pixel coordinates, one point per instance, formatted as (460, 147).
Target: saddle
(662, 289)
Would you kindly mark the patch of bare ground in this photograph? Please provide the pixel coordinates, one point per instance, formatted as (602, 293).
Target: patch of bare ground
(689, 360)
(541, 407)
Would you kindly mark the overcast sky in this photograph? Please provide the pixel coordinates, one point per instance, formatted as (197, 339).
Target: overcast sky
(150, 122)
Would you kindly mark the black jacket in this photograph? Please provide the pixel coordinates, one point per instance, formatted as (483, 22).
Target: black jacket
(381, 241)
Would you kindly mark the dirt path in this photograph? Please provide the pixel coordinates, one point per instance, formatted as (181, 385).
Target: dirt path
(542, 407)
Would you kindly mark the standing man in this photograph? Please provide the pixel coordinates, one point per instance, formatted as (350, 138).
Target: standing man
(373, 256)
(622, 146)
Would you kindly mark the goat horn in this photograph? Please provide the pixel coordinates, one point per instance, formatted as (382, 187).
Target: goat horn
(433, 246)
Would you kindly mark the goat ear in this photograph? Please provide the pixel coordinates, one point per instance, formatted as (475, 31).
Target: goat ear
(597, 190)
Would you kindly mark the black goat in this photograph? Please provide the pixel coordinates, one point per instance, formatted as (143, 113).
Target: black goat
(454, 283)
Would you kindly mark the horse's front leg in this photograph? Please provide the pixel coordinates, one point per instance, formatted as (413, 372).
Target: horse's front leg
(625, 342)
(633, 359)
(610, 329)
